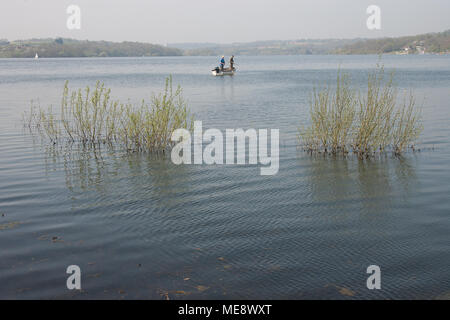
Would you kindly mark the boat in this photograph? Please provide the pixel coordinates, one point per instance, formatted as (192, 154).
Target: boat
(36, 56)
(224, 72)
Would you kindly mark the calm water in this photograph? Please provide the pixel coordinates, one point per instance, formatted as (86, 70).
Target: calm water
(141, 227)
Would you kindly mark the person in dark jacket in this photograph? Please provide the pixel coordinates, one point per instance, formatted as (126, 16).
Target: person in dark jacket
(232, 63)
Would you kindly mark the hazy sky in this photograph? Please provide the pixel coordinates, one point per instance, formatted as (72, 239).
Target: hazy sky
(162, 21)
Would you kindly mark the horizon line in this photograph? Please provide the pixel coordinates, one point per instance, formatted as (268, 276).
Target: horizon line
(228, 43)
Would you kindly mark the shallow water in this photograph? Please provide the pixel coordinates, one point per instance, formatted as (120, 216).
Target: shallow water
(140, 227)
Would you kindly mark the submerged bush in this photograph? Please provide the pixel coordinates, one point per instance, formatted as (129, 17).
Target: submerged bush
(91, 117)
(345, 120)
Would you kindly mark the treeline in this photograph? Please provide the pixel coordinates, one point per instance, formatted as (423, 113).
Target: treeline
(425, 43)
(51, 48)
(274, 47)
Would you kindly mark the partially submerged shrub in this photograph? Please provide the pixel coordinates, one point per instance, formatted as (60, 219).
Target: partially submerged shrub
(332, 115)
(344, 121)
(91, 117)
(406, 129)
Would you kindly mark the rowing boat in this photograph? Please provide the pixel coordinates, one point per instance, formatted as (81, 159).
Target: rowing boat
(224, 72)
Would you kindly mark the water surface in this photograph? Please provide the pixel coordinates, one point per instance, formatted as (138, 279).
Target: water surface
(141, 227)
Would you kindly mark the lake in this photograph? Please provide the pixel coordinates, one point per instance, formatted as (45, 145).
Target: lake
(140, 227)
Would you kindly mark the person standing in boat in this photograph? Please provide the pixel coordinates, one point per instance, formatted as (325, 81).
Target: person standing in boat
(222, 63)
(232, 63)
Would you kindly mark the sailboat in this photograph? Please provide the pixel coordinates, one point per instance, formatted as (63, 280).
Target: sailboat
(36, 56)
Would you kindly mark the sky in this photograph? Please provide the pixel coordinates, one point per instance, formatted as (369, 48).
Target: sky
(175, 21)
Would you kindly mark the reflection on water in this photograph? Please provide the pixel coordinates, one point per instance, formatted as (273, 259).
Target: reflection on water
(99, 168)
(331, 178)
(340, 179)
(226, 85)
(85, 168)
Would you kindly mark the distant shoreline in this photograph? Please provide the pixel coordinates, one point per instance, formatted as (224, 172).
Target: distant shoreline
(431, 43)
(260, 55)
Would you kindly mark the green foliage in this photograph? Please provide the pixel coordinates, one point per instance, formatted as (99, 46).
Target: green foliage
(367, 123)
(271, 47)
(50, 48)
(431, 42)
(59, 47)
(90, 117)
